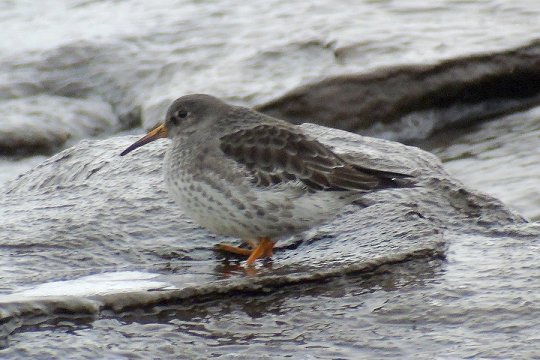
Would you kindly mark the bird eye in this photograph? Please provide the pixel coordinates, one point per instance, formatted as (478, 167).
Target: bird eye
(180, 114)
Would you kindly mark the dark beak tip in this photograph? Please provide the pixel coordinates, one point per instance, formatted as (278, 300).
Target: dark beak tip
(126, 151)
(134, 146)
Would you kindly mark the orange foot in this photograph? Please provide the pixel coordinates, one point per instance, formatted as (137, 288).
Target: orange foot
(260, 250)
(264, 249)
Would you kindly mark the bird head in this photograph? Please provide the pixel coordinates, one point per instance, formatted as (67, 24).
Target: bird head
(185, 116)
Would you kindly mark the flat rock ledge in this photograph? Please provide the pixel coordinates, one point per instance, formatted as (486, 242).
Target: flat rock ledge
(87, 213)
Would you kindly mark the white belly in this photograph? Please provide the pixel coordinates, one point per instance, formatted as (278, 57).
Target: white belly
(242, 210)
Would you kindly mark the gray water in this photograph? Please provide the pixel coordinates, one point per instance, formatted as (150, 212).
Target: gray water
(475, 296)
(500, 157)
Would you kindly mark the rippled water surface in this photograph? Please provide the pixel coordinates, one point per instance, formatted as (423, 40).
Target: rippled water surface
(500, 157)
(481, 301)
(471, 305)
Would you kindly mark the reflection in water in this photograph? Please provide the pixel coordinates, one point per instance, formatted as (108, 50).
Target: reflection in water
(296, 313)
(232, 268)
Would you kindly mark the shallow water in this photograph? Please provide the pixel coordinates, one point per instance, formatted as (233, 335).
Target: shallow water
(480, 301)
(500, 157)
(134, 56)
(460, 307)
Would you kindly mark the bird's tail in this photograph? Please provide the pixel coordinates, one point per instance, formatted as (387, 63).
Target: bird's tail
(390, 179)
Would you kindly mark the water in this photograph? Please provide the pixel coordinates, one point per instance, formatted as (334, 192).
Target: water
(500, 157)
(113, 61)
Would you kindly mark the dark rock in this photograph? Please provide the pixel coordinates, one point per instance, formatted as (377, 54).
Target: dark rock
(408, 103)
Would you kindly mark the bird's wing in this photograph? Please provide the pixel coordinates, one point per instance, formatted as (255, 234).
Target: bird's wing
(276, 154)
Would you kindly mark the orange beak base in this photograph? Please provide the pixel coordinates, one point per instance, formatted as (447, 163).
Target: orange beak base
(157, 133)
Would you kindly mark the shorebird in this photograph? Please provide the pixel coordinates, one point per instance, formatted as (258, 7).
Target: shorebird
(245, 174)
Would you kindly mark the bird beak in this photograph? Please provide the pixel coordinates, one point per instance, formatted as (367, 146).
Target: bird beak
(157, 133)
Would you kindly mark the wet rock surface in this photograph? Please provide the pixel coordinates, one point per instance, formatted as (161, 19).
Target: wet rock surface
(44, 124)
(501, 148)
(89, 199)
(411, 103)
(94, 235)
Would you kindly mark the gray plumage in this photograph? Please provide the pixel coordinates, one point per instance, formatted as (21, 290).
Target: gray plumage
(242, 173)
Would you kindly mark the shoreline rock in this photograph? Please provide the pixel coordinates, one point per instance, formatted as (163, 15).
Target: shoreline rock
(404, 103)
(412, 102)
(89, 211)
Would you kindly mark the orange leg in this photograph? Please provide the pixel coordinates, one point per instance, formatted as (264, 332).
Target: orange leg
(264, 249)
(233, 249)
